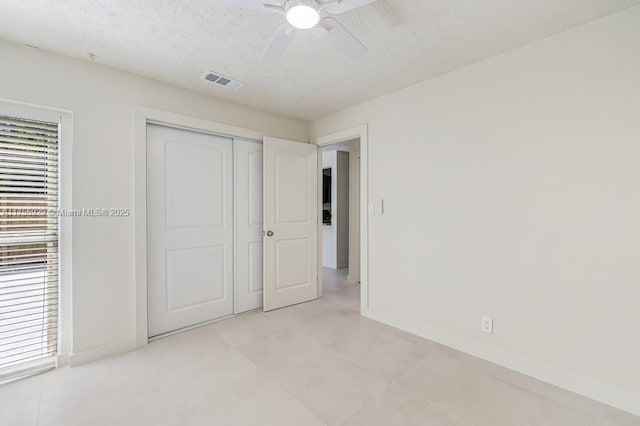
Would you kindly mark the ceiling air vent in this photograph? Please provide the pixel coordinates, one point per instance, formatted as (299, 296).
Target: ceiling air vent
(223, 81)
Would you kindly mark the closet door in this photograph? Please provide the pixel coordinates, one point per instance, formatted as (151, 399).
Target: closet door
(248, 178)
(189, 228)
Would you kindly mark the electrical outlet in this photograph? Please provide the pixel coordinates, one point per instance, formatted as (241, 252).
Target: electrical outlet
(487, 325)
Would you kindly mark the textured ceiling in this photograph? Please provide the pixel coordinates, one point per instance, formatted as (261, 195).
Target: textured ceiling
(177, 41)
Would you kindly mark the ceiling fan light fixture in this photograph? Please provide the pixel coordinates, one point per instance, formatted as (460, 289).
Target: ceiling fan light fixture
(302, 15)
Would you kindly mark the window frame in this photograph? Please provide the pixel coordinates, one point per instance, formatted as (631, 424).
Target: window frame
(64, 119)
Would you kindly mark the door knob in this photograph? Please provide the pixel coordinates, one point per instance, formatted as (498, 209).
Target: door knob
(269, 233)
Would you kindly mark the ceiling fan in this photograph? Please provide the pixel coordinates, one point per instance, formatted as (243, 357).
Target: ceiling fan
(317, 15)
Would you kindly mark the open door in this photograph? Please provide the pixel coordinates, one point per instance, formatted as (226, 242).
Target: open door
(290, 223)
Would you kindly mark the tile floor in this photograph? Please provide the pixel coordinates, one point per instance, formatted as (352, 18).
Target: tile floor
(318, 363)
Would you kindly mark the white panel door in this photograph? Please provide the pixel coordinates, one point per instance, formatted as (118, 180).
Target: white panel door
(291, 223)
(189, 228)
(249, 215)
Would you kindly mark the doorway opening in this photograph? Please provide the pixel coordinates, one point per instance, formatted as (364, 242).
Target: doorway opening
(340, 205)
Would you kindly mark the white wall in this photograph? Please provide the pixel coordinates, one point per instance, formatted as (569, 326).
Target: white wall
(342, 209)
(103, 102)
(354, 212)
(511, 189)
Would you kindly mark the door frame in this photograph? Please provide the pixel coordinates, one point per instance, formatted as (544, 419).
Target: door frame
(143, 116)
(359, 132)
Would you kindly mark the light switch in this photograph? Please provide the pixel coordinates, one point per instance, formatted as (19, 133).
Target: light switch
(379, 210)
(376, 208)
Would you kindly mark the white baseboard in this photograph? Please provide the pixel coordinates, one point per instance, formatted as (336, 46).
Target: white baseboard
(83, 357)
(606, 395)
(62, 360)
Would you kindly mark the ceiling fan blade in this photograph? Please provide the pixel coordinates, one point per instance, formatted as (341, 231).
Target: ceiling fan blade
(279, 42)
(341, 39)
(336, 7)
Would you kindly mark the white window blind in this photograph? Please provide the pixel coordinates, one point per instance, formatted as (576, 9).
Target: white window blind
(28, 241)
